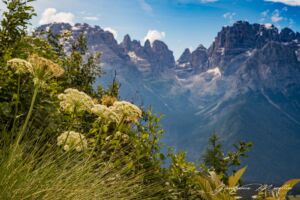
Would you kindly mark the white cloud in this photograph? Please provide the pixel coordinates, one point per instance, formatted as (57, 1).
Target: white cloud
(265, 13)
(287, 2)
(113, 31)
(145, 6)
(229, 16)
(50, 15)
(91, 18)
(153, 35)
(276, 16)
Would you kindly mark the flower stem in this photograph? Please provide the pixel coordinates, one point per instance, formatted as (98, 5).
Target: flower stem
(17, 105)
(21, 134)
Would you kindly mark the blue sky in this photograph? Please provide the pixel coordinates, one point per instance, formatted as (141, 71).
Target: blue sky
(180, 23)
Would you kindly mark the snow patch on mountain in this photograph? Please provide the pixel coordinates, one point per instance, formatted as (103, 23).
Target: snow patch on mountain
(268, 26)
(215, 71)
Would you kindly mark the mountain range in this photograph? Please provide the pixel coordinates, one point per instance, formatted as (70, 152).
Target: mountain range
(245, 86)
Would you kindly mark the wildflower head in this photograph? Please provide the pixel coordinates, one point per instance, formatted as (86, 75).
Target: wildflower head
(72, 140)
(127, 111)
(105, 114)
(72, 101)
(108, 100)
(19, 65)
(43, 69)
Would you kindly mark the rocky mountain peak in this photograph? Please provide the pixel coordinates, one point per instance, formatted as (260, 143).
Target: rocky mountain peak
(162, 56)
(126, 43)
(199, 58)
(157, 54)
(239, 40)
(287, 35)
(201, 47)
(159, 46)
(147, 45)
(242, 36)
(194, 62)
(127, 39)
(185, 57)
(56, 28)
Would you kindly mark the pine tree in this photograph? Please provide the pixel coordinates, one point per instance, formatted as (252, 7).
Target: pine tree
(215, 159)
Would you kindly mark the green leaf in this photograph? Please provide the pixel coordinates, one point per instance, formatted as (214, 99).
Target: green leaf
(234, 179)
(286, 187)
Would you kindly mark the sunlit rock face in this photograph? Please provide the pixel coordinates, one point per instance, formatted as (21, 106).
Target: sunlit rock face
(191, 63)
(245, 86)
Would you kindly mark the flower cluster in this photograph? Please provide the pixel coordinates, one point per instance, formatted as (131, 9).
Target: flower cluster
(105, 114)
(73, 100)
(41, 68)
(19, 65)
(119, 111)
(72, 139)
(127, 111)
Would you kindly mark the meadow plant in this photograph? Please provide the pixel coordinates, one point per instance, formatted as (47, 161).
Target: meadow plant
(106, 114)
(42, 70)
(72, 140)
(68, 176)
(74, 101)
(20, 66)
(129, 112)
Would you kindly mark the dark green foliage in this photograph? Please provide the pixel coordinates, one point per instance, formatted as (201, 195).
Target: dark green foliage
(53, 40)
(112, 90)
(14, 24)
(215, 159)
(80, 45)
(181, 178)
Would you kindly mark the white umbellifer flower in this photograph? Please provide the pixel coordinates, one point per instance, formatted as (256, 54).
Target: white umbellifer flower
(127, 111)
(73, 100)
(44, 68)
(72, 139)
(105, 113)
(19, 65)
(41, 68)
